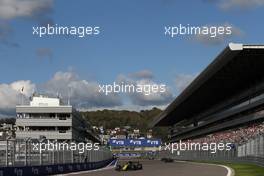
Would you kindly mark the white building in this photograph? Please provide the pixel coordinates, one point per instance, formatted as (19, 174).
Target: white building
(49, 117)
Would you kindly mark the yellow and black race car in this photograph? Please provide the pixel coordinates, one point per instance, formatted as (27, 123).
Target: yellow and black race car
(130, 165)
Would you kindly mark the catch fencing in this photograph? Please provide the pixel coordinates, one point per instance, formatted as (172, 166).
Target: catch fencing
(251, 151)
(21, 153)
(252, 148)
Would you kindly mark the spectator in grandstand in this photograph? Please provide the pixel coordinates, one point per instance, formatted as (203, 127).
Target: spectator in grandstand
(238, 135)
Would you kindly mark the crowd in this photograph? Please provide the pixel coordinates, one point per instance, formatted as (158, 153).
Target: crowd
(237, 135)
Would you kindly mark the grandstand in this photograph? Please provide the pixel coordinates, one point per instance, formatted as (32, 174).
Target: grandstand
(225, 103)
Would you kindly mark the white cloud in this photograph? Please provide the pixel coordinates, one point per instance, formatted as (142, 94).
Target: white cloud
(141, 98)
(242, 4)
(159, 98)
(37, 10)
(10, 9)
(183, 80)
(27, 86)
(11, 94)
(207, 39)
(143, 74)
(236, 4)
(83, 93)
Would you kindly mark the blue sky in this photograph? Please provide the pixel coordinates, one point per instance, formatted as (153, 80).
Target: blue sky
(131, 39)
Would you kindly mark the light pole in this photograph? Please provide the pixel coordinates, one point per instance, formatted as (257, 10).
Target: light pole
(29, 152)
(41, 140)
(26, 148)
(9, 138)
(53, 153)
(14, 152)
(6, 152)
(63, 153)
(72, 156)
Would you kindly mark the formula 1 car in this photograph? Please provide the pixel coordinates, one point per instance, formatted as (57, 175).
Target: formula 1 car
(130, 165)
(167, 160)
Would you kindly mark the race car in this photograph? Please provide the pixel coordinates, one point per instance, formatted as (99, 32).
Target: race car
(130, 165)
(167, 160)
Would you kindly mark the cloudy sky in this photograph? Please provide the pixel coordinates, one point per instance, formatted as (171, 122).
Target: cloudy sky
(131, 47)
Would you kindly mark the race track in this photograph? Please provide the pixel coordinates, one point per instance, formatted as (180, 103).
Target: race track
(158, 168)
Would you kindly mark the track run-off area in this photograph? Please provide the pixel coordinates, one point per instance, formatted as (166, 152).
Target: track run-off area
(159, 168)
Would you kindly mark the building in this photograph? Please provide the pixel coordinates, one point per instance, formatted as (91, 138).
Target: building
(49, 117)
(228, 94)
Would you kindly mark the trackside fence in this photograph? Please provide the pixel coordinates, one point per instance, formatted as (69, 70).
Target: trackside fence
(251, 151)
(19, 158)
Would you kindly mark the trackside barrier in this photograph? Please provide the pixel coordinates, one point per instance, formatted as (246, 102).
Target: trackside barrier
(252, 148)
(52, 169)
(251, 151)
(20, 153)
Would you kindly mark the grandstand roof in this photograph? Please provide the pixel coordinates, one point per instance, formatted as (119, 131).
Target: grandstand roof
(235, 69)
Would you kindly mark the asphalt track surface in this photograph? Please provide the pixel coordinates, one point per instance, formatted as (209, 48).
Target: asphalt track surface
(159, 168)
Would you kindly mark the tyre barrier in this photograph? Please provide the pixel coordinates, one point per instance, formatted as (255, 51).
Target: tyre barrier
(52, 169)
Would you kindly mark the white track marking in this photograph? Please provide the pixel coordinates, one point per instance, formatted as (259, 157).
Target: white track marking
(89, 171)
(230, 171)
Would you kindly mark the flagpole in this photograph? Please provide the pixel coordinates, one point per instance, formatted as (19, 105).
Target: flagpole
(21, 92)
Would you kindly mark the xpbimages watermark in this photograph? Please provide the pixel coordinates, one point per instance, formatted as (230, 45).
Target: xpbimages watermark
(194, 146)
(78, 31)
(211, 31)
(62, 146)
(146, 89)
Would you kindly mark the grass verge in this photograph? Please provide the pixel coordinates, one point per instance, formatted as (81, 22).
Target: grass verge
(243, 169)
